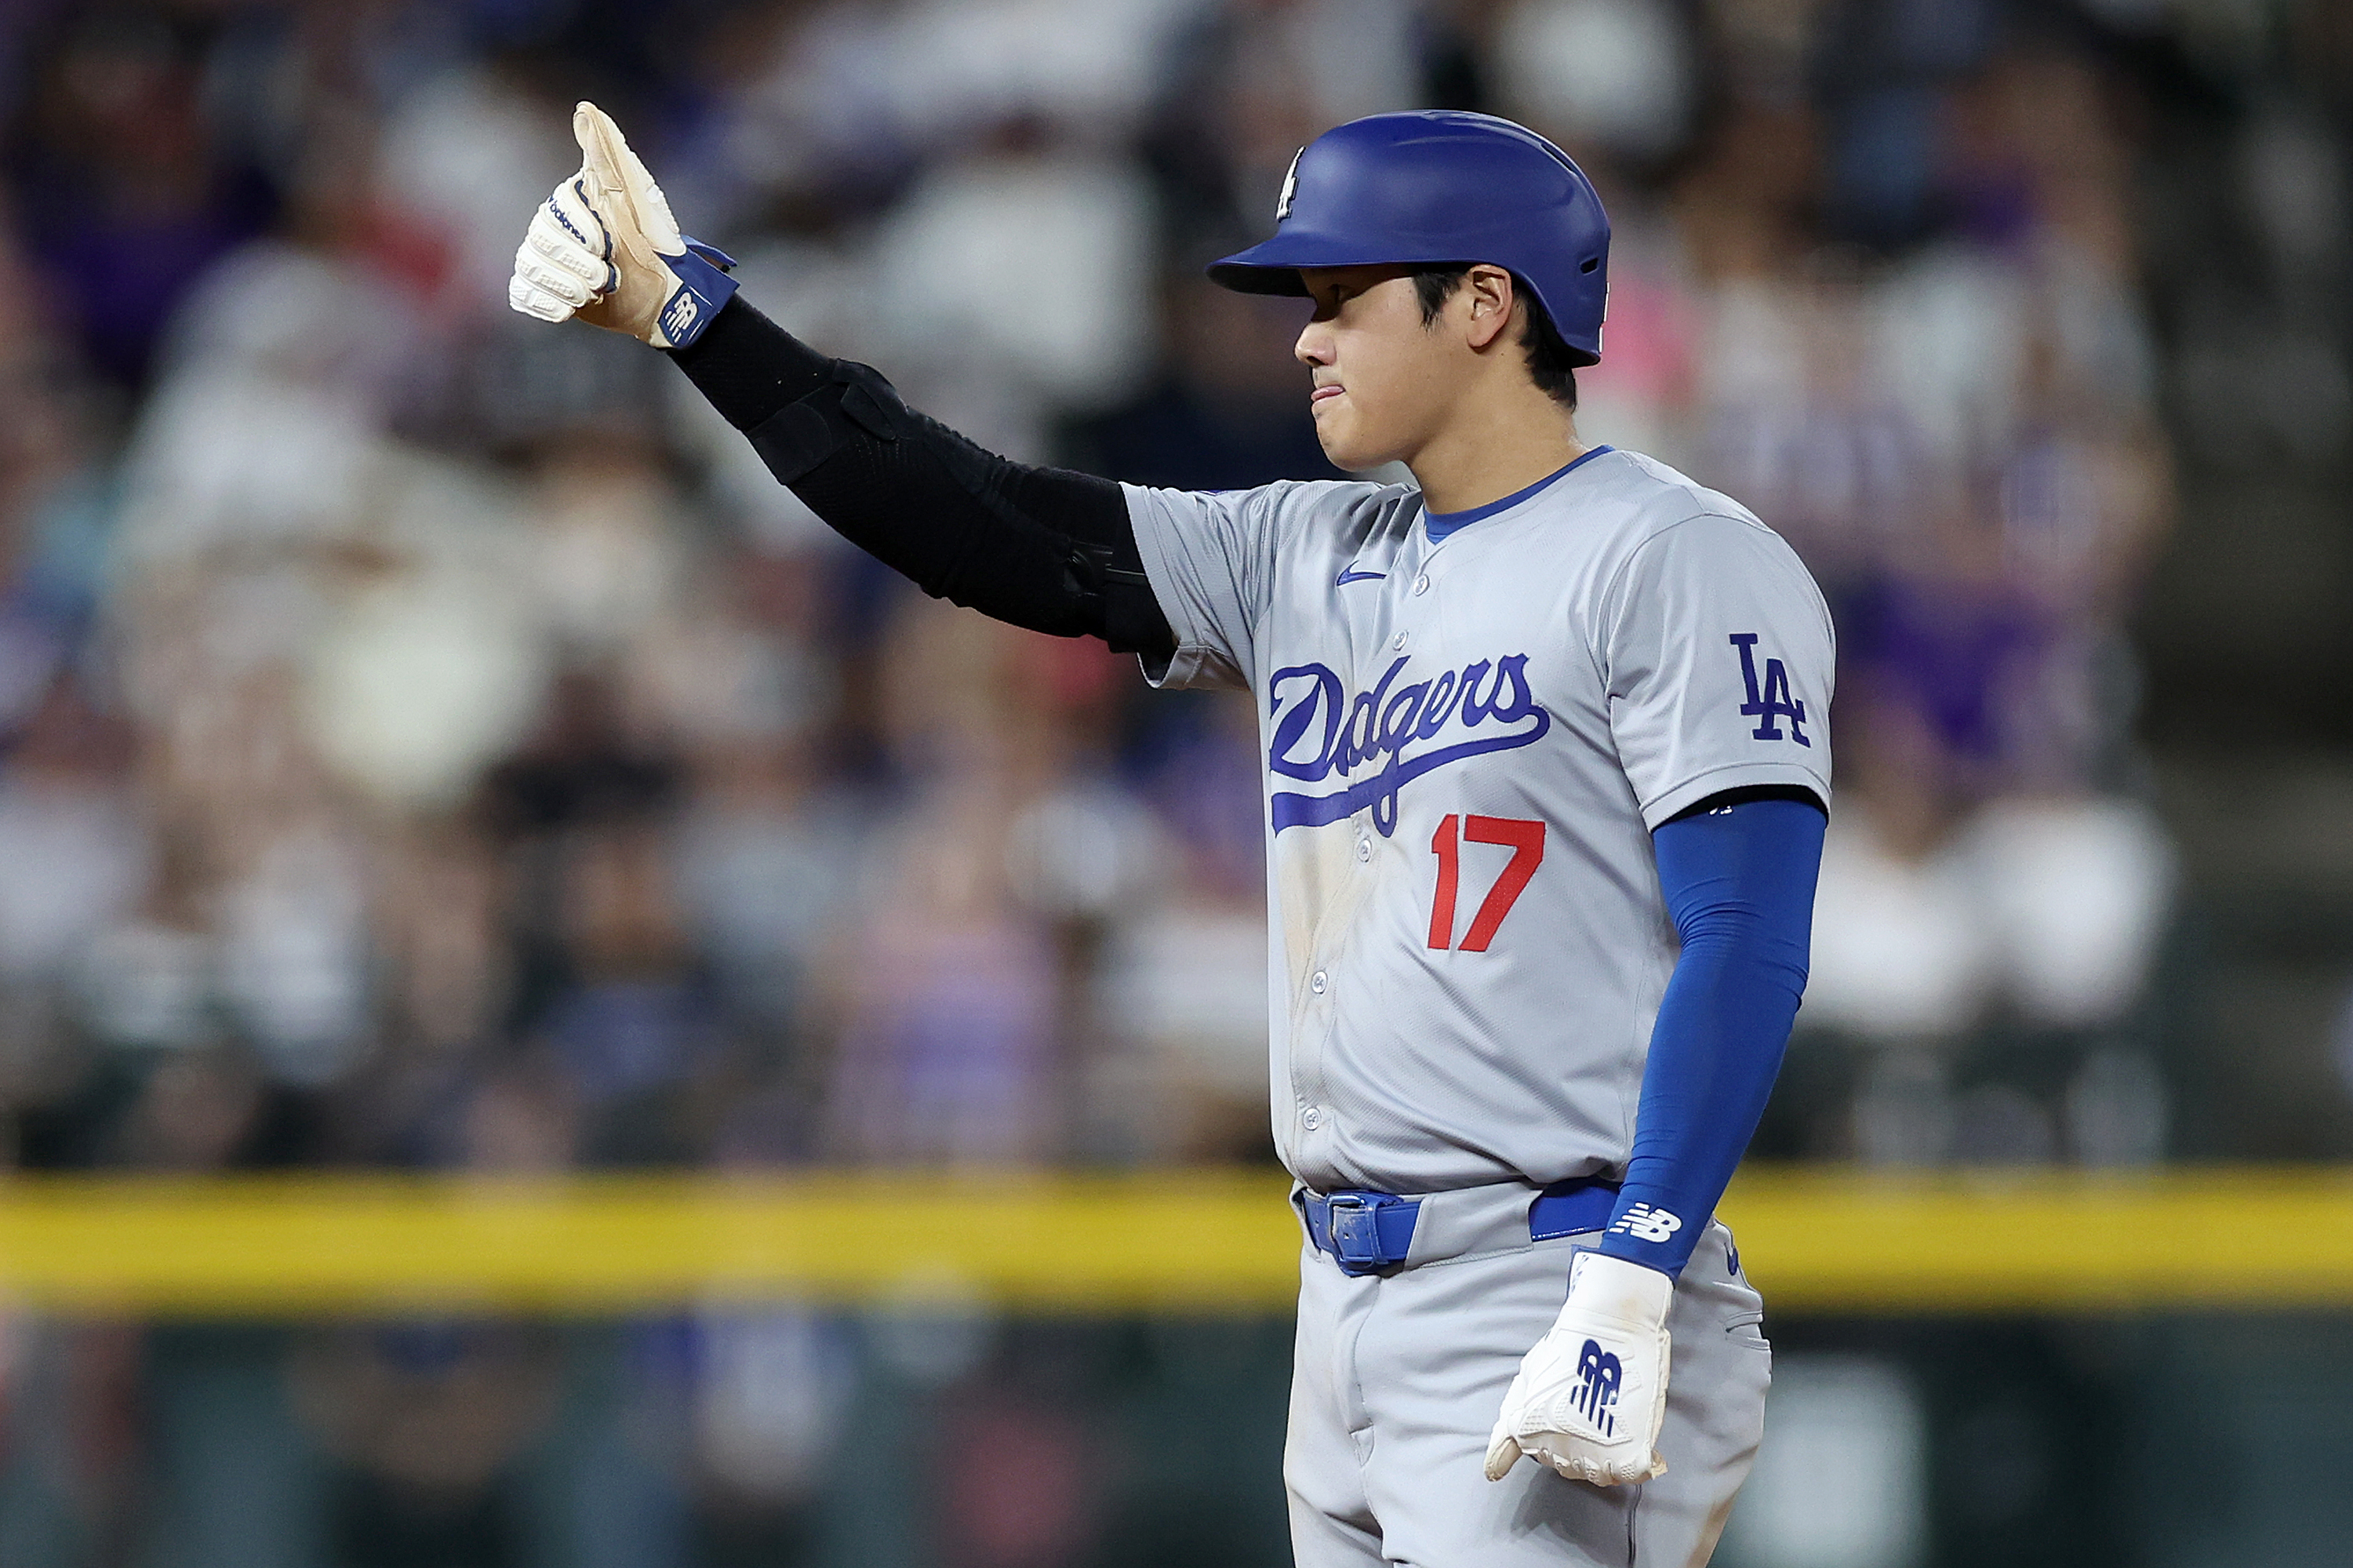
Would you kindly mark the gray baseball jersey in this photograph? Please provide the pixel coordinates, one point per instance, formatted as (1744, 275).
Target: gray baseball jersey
(1467, 739)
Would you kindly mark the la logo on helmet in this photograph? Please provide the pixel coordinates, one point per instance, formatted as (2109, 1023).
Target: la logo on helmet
(1290, 187)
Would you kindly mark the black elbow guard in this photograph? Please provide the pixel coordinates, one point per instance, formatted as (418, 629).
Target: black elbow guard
(857, 402)
(1121, 597)
(1027, 545)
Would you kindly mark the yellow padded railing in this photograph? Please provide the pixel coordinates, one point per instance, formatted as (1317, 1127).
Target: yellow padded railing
(1814, 1239)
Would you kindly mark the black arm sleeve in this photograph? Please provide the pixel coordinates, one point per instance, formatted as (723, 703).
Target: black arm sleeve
(1044, 548)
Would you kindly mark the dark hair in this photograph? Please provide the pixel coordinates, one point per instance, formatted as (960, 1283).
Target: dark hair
(1549, 364)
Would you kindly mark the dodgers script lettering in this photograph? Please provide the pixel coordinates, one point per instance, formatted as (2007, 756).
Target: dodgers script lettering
(1400, 729)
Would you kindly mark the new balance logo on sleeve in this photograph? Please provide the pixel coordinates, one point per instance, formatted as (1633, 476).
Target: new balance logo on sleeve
(1646, 1224)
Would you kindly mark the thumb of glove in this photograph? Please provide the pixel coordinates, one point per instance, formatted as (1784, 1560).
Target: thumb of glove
(1503, 1453)
(622, 178)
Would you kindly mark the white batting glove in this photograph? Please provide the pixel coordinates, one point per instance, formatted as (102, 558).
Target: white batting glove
(1590, 1397)
(604, 247)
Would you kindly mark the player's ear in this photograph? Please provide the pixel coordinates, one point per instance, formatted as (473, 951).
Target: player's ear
(1488, 297)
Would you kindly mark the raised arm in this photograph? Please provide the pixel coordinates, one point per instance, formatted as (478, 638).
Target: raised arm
(1043, 548)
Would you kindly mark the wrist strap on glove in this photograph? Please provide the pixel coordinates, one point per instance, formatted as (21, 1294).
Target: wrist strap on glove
(703, 285)
(1618, 1291)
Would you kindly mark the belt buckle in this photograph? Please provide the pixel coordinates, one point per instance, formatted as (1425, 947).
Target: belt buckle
(1355, 1228)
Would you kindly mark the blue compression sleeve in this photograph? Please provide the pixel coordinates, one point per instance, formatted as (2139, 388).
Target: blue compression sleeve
(1739, 882)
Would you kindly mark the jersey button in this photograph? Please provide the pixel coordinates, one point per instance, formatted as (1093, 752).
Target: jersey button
(1421, 583)
(1312, 1118)
(1396, 643)
(1318, 984)
(1365, 849)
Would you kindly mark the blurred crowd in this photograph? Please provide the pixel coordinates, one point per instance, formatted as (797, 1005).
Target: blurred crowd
(430, 738)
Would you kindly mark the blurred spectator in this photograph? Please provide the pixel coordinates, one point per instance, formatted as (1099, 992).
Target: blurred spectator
(122, 192)
(1609, 75)
(427, 1421)
(951, 1020)
(73, 834)
(1230, 409)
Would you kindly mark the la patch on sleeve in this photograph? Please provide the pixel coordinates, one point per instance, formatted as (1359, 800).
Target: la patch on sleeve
(1769, 699)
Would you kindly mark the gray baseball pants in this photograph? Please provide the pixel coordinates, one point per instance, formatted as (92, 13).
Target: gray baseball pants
(1396, 1380)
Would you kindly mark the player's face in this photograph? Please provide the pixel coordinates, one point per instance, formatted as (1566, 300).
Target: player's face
(1383, 379)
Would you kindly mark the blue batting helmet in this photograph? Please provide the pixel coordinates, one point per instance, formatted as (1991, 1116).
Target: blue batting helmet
(1440, 185)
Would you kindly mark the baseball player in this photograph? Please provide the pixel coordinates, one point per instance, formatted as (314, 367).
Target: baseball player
(1525, 722)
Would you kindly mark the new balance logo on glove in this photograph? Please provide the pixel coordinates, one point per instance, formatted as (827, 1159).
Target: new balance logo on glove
(1595, 1394)
(1646, 1224)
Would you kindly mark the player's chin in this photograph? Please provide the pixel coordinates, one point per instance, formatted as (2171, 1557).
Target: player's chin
(1344, 444)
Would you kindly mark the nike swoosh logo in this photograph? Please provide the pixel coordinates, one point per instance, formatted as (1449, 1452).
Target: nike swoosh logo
(1345, 577)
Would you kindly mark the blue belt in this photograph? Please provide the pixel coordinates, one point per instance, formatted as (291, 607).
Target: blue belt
(1369, 1232)
(1363, 1232)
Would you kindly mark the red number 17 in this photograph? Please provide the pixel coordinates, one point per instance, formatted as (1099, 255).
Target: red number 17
(1526, 839)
